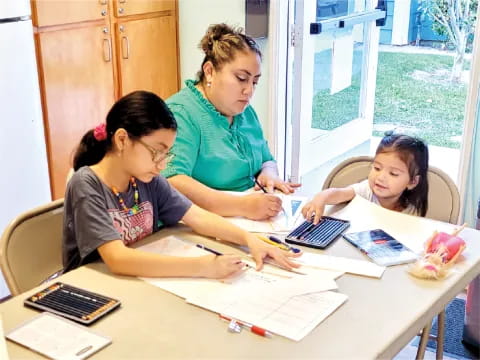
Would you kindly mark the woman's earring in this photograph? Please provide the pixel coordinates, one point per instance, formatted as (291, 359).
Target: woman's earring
(209, 83)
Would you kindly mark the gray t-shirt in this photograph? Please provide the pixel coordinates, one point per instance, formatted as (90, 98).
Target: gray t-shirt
(93, 215)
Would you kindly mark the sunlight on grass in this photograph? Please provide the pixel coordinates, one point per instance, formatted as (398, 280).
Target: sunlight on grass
(413, 95)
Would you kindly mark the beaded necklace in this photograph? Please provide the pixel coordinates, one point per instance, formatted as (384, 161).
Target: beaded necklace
(135, 208)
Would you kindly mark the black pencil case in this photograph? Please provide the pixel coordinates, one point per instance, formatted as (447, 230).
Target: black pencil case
(73, 303)
(318, 236)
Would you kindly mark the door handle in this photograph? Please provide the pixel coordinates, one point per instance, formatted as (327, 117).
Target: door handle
(107, 50)
(346, 21)
(125, 47)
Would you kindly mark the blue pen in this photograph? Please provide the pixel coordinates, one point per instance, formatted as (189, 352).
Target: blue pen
(278, 241)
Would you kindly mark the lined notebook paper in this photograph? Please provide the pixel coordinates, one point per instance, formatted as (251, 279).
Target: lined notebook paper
(58, 338)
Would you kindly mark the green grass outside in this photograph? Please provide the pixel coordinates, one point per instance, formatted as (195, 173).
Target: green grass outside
(433, 111)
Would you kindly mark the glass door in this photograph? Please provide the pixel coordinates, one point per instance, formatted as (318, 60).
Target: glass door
(335, 50)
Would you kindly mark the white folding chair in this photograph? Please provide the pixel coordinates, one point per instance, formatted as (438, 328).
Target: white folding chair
(31, 247)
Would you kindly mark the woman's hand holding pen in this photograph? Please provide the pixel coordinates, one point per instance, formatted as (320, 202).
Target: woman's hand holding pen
(260, 250)
(267, 180)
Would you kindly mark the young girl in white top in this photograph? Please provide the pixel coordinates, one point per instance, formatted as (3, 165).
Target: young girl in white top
(397, 180)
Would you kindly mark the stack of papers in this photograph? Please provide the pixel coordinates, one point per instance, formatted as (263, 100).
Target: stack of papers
(284, 303)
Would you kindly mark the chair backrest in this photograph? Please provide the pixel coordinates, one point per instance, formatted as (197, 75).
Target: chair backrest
(443, 196)
(31, 247)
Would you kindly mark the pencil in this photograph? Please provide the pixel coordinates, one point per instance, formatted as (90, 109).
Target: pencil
(266, 192)
(260, 185)
(201, 246)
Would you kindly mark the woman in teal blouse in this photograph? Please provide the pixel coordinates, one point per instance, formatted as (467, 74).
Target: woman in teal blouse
(220, 144)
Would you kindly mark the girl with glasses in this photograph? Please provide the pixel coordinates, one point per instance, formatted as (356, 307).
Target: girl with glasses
(116, 198)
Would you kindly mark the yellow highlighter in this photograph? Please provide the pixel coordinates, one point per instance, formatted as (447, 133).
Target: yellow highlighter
(276, 244)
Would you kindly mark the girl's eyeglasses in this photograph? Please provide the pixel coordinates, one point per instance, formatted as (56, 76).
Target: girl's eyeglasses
(157, 155)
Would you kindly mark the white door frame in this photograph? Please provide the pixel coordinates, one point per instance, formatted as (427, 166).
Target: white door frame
(303, 68)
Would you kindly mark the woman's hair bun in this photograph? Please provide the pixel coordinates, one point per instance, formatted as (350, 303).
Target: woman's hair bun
(215, 33)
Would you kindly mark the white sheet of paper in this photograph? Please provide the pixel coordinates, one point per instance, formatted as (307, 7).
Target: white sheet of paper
(58, 338)
(291, 215)
(301, 285)
(188, 287)
(274, 299)
(172, 246)
(369, 216)
(352, 266)
(289, 218)
(293, 318)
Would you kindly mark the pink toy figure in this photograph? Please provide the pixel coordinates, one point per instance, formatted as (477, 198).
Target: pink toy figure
(440, 253)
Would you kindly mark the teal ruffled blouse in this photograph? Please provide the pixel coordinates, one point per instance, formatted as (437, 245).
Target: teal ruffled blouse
(209, 149)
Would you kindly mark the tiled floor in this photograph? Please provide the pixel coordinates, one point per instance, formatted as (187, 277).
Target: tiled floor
(410, 351)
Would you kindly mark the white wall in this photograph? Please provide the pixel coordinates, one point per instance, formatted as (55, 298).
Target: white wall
(194, 17)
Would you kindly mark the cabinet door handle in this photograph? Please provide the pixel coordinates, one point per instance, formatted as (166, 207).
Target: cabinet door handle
(125, 46)
(103, 2)
(122, 1)
(107, 50)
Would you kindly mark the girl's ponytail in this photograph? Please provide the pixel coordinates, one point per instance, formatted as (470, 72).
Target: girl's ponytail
(90, 151)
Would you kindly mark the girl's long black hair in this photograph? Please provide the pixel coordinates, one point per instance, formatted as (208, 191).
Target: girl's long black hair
(139, 113)
(414, 153)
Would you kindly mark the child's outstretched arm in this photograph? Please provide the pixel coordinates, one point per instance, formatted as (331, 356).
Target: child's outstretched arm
(210, 224)
(123, 260)
(315, 207)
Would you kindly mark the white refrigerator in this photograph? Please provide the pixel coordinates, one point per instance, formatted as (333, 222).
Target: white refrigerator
(24, 180)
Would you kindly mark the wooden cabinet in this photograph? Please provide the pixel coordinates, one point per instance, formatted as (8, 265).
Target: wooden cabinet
(56, 12)
(124, 8)
(150, 44)
(88, 57)
(78, 91)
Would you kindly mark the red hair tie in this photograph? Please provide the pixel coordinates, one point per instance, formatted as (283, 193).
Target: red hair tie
(100, 132)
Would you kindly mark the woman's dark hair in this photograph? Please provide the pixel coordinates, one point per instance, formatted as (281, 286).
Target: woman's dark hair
(414, 153)
(220, 44)
(139, 113)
